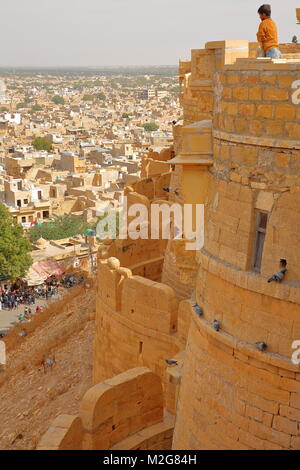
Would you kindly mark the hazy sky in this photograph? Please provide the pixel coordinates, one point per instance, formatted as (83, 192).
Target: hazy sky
(127, 32)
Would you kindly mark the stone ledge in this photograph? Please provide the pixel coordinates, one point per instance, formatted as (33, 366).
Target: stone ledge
(241, 346)
(184, 159)
(132, 267)
(248, 280)
(264, 64)
(235, 44)
(147, 434)
(258, 141)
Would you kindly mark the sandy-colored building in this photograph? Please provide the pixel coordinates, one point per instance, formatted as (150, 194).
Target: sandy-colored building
(71, 162)
(27, 202)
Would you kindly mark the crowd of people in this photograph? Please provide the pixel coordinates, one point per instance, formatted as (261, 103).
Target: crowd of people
(19, 294)
(15, 295)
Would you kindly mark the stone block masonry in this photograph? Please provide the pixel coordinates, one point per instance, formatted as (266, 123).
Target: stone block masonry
(122, 413)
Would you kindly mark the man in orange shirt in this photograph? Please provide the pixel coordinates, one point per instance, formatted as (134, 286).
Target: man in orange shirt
(267, 34)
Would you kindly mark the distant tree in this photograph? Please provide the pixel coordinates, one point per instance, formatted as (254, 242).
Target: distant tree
(40, 143)
(58, 99)
(28, 99)
(3, 109)
(88, 98)
(21, 105)
(101, 96)
(15, 259)
(295, 40)
(125, 116)
(176, 89)
(150, 127)
(36, 107)
(60, 227)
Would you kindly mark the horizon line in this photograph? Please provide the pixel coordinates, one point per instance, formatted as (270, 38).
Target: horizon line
(87, 66)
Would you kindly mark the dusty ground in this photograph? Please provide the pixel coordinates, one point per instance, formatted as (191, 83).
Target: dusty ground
(29, 398)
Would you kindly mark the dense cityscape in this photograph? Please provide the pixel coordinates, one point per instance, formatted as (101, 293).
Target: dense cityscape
(69, 145)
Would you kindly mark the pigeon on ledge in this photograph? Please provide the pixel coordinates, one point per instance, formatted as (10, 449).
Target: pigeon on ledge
(171, 363)
(261, 346)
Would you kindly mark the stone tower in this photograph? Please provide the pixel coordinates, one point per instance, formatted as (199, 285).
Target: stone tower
(239, 387)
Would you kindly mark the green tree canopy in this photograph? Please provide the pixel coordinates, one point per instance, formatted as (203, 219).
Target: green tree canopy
(21, 105)
(15, 259)
(41, 144)
(28, 99)
(60, 227)
(101, 96)
(36, 107)
(176, 89)
(58, 99)
(88, 98)
(113, 85)
(150, 127)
